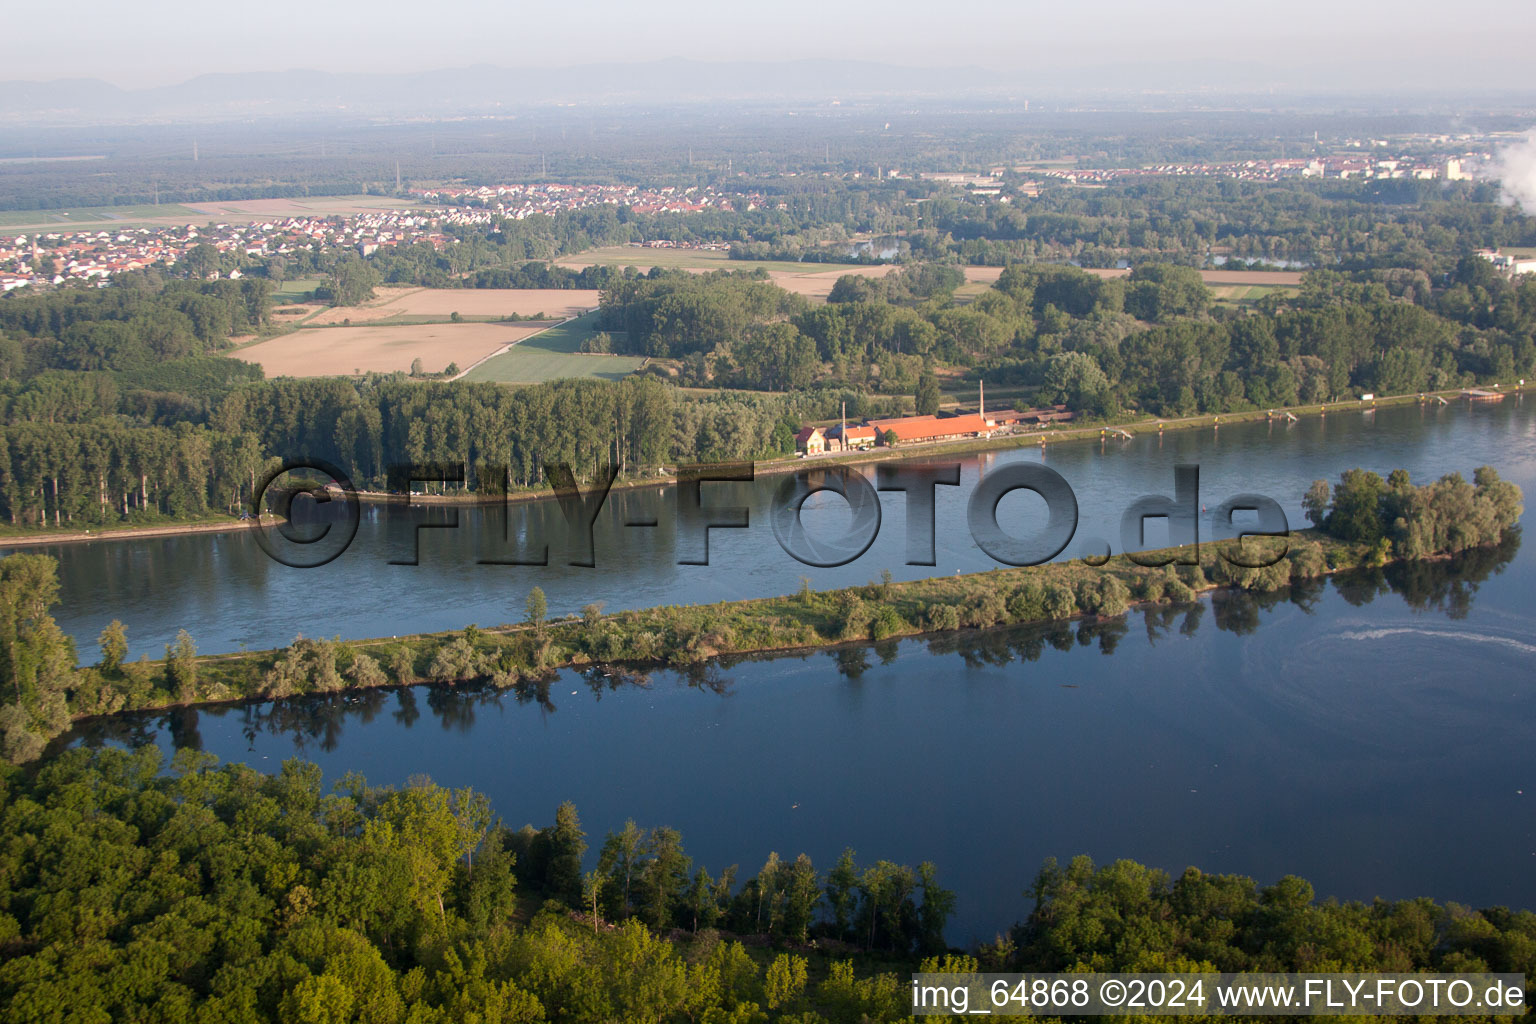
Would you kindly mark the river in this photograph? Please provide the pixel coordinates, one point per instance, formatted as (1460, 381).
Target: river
(225, 591)
(1374, 740)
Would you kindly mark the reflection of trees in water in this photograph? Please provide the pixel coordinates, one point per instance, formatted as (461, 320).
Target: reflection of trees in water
(1157, 622)
(852, 662)
(182, 724)
(1360, 587)
(1445, 586)
(1305, 594)
(996, 647)
(601, 679)
(707, 675)
(1162, 620)
(1107, 635)
(406, 711)
(1448, 586)
(314, 721)
(536, 690)
(131, 730)
(454, 706)
(1238, 611)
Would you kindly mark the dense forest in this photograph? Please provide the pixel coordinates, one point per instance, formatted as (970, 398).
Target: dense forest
(1151, 343)
(141, 321)
(218, 893)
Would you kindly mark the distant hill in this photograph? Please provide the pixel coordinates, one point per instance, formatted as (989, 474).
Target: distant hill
(478, 89)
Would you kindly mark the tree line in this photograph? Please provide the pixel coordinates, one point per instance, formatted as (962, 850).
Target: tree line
(141, 319)
(1328, 224)
(645, 875)
(87, 467)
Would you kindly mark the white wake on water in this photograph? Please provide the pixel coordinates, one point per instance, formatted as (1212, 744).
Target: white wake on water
(1440, 634)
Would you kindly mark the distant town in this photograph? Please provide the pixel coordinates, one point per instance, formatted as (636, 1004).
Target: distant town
(55, 257)
(1454, 168)
(520, 201)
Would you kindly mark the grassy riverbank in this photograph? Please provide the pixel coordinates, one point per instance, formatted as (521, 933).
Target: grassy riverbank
(210, 522)
(680, 635)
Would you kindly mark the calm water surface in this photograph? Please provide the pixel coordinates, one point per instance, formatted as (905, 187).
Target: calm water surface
(1377, 741)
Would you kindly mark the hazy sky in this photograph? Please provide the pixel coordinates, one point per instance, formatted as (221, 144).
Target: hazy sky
(1371, 43)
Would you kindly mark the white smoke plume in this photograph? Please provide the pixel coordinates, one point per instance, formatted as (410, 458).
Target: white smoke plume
(1515, 167)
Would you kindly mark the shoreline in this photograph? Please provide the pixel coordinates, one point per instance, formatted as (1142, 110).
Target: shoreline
(779, 465)
(1001, 442)
(126, 533)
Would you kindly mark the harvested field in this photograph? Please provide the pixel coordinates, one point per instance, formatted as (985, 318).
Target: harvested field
(439, 303)
(818, 285)
(1248, 292)
(679, 259)
(813, 280)
(343, 351)
(1283, 278)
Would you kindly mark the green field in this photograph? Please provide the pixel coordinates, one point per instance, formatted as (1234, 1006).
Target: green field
(554, 354)
(99, 217)
(691, 259)
(970, 291)
(1249, 292)
(295, 290)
